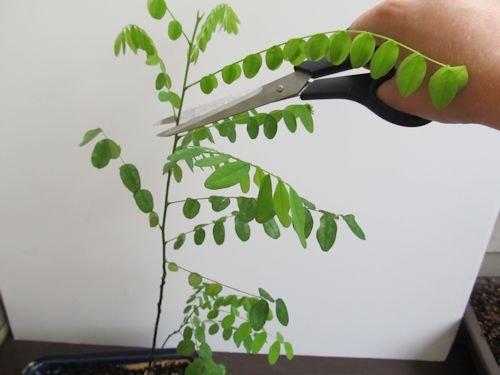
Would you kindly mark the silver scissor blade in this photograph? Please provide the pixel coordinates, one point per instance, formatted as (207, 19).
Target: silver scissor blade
(283, 88)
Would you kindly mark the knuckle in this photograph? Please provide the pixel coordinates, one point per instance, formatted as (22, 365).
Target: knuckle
(391, 10)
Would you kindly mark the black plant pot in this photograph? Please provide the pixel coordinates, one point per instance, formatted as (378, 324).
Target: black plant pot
(129, 359)
(480, 350)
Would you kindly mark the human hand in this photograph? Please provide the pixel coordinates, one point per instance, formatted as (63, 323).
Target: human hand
(455, 32)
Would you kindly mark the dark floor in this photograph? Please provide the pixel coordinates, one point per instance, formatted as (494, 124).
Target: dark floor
(14, 355)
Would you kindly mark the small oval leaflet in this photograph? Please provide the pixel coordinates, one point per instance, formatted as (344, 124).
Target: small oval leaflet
(353, 225)
(228, 175)
(199, 236)
(144, 200)
(270, 127)
(157, 8)
(327, 232)
(362, 49)
(173, 267)
(272, 230)
(281, 202)
(208, 84)
(259, 342)
(411, 74)
(185, 348)
(340, 46)
(90, 135)
(281, 312)
(274, 353)
(252, 65)
(298, 216)
(274, 57)
(191, 208)
(316, 47)
(384, 59)
(242, 230)
(219, 232)
(294, 51)
(231, 73)
(258, 314)
(103, 152)
(443, 87)
(179, 241)
(265, 294)
(219, 203)
(265, 209)
(174, 30)
(154, 220)
(194, 279)
(130, 177)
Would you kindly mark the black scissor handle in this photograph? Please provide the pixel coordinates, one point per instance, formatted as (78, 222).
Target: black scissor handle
(360, 88)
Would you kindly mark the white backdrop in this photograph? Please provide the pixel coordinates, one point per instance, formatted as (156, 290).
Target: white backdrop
(79, 263)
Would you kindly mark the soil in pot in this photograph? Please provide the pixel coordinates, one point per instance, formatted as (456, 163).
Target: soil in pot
(485, 300)
(166, 367)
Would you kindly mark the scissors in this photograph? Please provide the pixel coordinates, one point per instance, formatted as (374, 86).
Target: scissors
(303, 83)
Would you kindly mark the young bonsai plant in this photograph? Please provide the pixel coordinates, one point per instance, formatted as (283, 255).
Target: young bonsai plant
(215, 307)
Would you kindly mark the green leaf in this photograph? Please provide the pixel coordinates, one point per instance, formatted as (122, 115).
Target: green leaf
(290, 120)
(281, 312)
(384, 59)
(245, 184)
(154, 220)
(221, 17)
(247, 343)
(295, 51)
(411, 74)
(189, 153)
(213, 329)
(103, 152)
(462, 76)
(219, 232)
(212, 161)
(152, 60)
(252, 65)
(90, 135)
(340, 46)
(228, 321)
(191, 208)
(199, 236)
(194, 279)
(130, 177)
(259, 342)
(242, 229)
(443, 87)
(327, 232)
(354, 226)
(280, 337)
(144, 200)
(258, 314)
(265, 208)
(252, 128)
(308, 204)
(247, 208)
(243, 331)
(179, 241)
(213, 290)
(174, 30)
(308, 226)
(228, 175)
(362, 49)
(317, 47)
(264, 294)
(298, 216)
(231, 73)
(281, 202)
(212, 314)
(185, 348)
(274, 57)
(205, 351)
(163, 80)
(271, 228)
(274, 353)
(304, 113)
(258, 176)
(289, 351)
(208, 84)
(219, 203)
(169, 96)
(157, 8)
(187, 334)
(173, 267)
(119, 43)
(270, 127)
(227, 333)
(177, 173)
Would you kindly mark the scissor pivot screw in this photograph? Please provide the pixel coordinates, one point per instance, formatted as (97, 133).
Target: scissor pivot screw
(280, 88)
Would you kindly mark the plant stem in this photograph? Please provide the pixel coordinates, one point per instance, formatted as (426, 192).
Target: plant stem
(166, 203)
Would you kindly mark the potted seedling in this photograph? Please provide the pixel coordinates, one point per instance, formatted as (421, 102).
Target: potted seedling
(266, 199)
